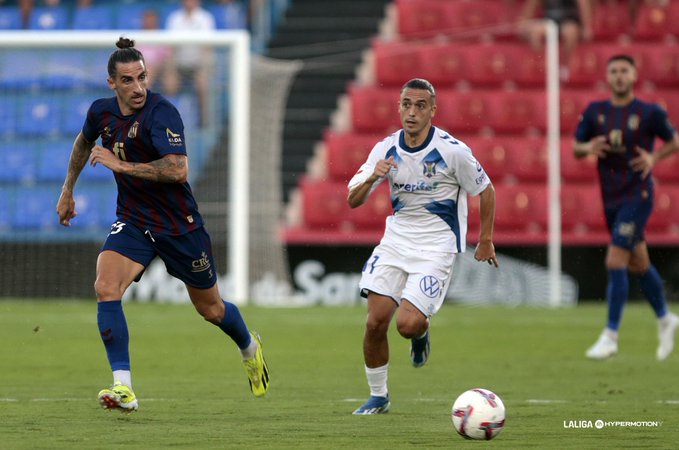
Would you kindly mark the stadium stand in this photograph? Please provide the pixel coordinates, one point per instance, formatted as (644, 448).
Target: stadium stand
(490, 94)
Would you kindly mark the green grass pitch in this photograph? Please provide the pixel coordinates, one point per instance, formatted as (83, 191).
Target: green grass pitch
(193, 391)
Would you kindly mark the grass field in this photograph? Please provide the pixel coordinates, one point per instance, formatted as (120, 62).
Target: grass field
(193, 391)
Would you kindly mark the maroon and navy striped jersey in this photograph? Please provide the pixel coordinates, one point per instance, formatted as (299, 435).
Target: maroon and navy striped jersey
(146, 135)
(625, 128)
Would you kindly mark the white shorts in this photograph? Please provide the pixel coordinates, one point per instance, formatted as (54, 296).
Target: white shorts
(420, 277)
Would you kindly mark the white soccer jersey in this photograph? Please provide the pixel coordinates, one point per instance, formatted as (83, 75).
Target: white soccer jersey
(429, 190)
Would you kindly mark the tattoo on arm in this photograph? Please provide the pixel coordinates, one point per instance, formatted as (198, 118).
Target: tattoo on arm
(79, 155)
(169, 169)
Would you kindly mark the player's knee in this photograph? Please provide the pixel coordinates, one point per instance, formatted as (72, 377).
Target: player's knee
(376, 325)
(108, 290)
(411, 328)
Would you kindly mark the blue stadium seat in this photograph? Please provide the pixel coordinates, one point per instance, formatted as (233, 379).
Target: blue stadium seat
(10, 18)
(19, 162)
(48, 18)
(75, 112)
(39, 116)
(35, 208)
(96, 17)
(64, 69)
(130, 17)
(6, 207)
(53, 156)
(8, 113)
(96, 205)
(20, 69)
(229, 16)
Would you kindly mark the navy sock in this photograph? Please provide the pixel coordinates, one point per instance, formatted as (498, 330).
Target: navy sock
(233, 325)
(652, 286)
(617, 293)
(114, 334)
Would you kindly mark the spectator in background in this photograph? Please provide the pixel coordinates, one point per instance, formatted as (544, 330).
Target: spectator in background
(26, 8)
(190, 64)
(230, 15)
(574, 18)
(156, 56)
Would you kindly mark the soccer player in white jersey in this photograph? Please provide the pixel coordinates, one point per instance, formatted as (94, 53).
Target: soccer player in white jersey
(430, 174)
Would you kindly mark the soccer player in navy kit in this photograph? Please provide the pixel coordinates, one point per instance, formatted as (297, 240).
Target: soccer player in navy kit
(620, 132)
(142, 142)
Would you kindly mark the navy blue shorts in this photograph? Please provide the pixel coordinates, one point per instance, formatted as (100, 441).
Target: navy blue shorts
(628, 222)
(187, 257)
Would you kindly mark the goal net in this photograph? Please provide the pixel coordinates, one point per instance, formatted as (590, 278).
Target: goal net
(47, 82)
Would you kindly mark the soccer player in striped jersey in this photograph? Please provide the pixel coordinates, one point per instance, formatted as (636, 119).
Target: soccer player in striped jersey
(620, 132)
(142, 143)
(430, 174)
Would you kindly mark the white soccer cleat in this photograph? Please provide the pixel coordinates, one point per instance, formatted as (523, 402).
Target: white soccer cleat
(666, 331)
(603, 348)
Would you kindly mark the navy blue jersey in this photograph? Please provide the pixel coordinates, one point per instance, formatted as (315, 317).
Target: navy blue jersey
(146, 135)
(626, 127)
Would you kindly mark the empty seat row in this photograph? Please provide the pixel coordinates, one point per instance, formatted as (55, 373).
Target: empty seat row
(43, 115)
(112, 16)
(475, 19)
(521, 213)
(375, 110)
(448, 64)
(27, 162)
(34, 207)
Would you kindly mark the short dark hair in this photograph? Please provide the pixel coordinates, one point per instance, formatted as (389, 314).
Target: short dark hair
(124, 54)
(420, 83)
(622, 57)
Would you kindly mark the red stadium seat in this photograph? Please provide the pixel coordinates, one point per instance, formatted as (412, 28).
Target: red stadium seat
(582, 215)
(445, 64)
(516, 112)
(661, 65)
(372, 214)
(374, 109)
(427, 18)
(346, 152)
(396, 62)
(491, 153)
(668, 99)
(496, 64)
(610, 20)
(652, 22)
(587, 66)
(667, 170)
(462, 111)
(573, 104)
(521, 209)
(325, 204)
(665, 217)
(527, 158)
(575, 170)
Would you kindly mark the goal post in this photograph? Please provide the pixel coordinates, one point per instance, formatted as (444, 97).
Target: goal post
(233, 89)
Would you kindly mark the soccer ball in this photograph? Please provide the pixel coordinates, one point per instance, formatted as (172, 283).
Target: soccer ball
(478, 414)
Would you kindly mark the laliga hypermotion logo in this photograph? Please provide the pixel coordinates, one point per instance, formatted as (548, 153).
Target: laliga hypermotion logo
(173, 138)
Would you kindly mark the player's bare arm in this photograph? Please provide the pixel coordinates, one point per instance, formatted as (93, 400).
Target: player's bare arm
(79, 155)
(359, 193)
(645, 161)
(597, 146)
(168, 169)
(485, 250)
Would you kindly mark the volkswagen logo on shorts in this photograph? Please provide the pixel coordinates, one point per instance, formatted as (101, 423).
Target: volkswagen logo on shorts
(430, 286)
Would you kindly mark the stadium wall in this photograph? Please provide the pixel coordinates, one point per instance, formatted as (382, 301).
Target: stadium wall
(326, 274)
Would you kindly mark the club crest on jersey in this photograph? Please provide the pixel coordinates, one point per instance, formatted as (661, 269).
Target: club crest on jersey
(633, 122)
(432, 162)
(173, 138)
(133, 130)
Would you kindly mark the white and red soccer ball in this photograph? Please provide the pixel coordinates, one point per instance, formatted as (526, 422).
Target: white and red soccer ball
(478, 414)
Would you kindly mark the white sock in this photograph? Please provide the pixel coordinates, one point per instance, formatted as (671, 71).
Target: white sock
(613, 334)
(124, 376)
(377, 380)
(249, 351)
